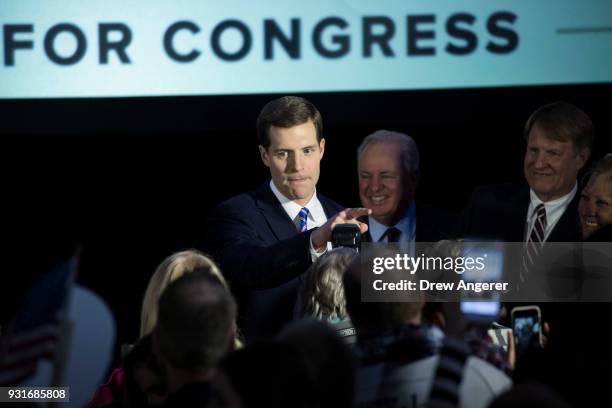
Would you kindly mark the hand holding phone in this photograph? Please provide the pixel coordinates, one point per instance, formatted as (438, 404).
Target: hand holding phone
(527, 328)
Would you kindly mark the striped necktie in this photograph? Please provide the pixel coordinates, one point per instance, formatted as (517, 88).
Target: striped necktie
(303, 217)
(535, 241)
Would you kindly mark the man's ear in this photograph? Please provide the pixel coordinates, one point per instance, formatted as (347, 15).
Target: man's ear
(265, 158)
(322, 146)
(409, 182)
(233, 343)
(414, 180)
(582, 157)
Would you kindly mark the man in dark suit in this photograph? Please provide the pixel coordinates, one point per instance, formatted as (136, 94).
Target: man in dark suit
(544, 209)
(388, 167)
(265, 239)
(559, 141)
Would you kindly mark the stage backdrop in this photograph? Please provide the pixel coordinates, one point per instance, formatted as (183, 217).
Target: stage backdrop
(114, 48)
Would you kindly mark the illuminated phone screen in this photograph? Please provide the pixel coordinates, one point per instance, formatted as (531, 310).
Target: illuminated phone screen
(526, 327)
(484, 304)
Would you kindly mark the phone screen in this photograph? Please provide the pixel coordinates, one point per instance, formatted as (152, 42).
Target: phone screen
(483, 304)
(526, 326)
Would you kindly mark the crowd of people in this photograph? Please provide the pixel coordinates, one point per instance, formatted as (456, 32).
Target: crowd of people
(271, 314)
(298, 332)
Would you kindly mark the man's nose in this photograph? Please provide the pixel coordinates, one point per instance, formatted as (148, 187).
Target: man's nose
(296, 163)
(375, 184)
(540, 161)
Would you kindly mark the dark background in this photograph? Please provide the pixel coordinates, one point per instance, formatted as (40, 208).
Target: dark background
(132, 179)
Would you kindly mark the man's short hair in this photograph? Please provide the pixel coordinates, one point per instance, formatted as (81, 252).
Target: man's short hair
(287, 112)
(196, 318)
(563, 122)
(409, 153)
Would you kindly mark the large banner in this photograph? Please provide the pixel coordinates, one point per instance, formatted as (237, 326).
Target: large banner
(110, 48)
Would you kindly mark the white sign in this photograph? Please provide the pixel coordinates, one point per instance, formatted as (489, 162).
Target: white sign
(110, 48)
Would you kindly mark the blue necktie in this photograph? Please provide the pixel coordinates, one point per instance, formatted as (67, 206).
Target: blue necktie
(303, 215)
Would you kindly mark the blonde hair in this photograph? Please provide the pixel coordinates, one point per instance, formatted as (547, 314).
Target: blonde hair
(174, 266)
(321, 294)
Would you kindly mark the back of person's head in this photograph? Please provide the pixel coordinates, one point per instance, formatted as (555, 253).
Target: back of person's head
(563, 122)
(329, 357)
(531, 394)
(372, 318)
(196, 322)
(170, 269)
(321, 294)
(287, 112)
(272, 375)
(409, 153)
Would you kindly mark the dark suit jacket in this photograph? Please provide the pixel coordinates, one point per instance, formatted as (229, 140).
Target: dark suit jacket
(262, 255)
(432, 224)
(499, 212)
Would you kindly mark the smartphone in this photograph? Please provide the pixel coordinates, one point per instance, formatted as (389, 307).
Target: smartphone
(527, 328)
(482, 308)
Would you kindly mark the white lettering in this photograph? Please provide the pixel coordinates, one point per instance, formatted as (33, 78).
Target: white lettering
(427, 285)
(482, 286)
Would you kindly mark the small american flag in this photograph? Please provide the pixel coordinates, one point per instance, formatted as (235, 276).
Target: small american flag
(35, 331)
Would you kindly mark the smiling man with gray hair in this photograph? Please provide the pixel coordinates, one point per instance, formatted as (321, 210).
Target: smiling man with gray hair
(388, 169)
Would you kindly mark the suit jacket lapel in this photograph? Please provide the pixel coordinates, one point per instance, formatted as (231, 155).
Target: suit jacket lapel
(275, 215)
(567, 228)
(273, 212)
(329, 207)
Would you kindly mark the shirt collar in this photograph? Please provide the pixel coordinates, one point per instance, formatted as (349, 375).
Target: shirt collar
(406, 225)
(550, 206)
(315, 209)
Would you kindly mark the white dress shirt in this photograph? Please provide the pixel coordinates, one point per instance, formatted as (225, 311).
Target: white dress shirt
(316, 214)
(554, 211)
